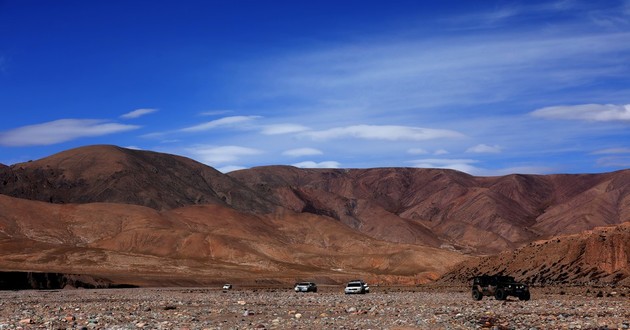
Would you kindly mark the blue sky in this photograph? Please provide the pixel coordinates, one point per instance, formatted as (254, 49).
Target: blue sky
(484, 87)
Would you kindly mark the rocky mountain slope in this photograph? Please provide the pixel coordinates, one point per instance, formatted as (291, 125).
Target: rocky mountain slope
(105, 173)
(119, 212)
(473, 214)
(598, 256)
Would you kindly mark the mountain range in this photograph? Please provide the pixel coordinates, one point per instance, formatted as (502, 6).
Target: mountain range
(150, 218)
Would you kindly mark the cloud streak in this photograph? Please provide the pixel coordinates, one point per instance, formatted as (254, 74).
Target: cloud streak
(137, 113)
(300, 152)
(383, 132)
(312, 164)
(231, 121)
(277, 129)
(484, 148)
(218, 155)
(59, 131)
(587, 112)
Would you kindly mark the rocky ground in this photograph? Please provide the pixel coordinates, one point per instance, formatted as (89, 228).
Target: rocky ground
(280, 308)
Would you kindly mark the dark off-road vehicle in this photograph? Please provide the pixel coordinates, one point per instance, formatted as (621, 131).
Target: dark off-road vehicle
(498, 286)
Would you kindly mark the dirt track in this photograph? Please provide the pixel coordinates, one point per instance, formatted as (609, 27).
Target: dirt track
(250, 308)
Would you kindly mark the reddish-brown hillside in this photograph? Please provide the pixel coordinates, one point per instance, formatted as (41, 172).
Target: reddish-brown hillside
(201, 244)
(598, 256)
(117, 175)
(105, 208)
(477, 214)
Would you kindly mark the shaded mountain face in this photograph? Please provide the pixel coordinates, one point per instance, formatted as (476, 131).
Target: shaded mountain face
(471, 214)
(118, 175)
(595, 257)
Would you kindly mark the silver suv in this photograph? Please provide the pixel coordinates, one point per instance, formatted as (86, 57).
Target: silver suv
(356, 286)
(305, 287)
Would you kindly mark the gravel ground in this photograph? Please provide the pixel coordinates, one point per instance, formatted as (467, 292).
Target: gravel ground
(205, 308)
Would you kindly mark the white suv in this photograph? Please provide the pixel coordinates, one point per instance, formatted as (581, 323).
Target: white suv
(356, 286)
(305, 287)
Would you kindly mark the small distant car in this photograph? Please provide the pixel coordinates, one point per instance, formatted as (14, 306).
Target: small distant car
(499, 286)
(356, 286)
(305, 287)
(227, 286)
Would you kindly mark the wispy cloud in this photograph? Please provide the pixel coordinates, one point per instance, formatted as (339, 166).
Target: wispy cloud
(484, 148)
(613, 157)
(383, 132)
(137, 113)
(589, 112)
(612, 151)
(617, 161)
(468, 166)
(229, 168)
(59, 131)
(417, 151)
(219, 155)
(215, 112)
(507, 14)
(300, 152)
(222, 122)
(462, 165)
(276, 129)
(393, 76)
(311, 164)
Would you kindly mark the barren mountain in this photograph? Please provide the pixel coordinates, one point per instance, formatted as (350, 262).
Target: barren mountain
(106, 210)
(475, 214)
(598, 256)
(117, 175)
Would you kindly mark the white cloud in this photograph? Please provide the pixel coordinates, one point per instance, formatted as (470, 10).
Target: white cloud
(215, 112)
(283, 129)
(588, 112)
(59, 131)
(612, 151)
(615, 157)
(484, 148)
(311, 164)
(466, 166)
(399, 74)
(133, 147)
(614, 161)
(299, 152)
(441, 152)
(213, 155)
(383, 132)
(225, 121)
(230, 168)
(437, 162)
(137, 113)
(462, 165)
(417, 151)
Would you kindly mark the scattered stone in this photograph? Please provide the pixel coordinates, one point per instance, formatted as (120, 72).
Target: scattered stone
(208, 309)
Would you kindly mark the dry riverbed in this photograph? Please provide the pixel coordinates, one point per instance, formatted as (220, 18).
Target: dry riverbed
(276, 308)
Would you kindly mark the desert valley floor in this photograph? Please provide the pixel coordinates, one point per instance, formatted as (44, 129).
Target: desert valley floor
(280, 308)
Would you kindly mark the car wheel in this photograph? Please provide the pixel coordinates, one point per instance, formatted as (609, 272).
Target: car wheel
(477, 295)
(500, 295)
